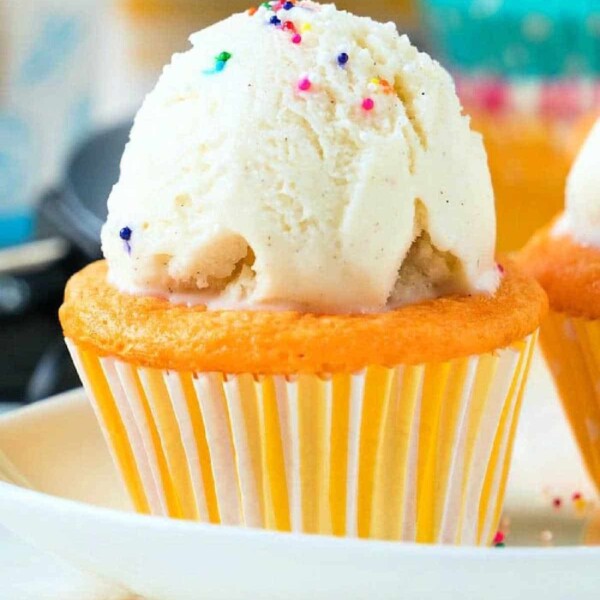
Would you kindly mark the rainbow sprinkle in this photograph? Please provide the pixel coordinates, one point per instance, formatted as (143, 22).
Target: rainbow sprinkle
(376, 85)
(304, 84)
(343, 59)
(579, 502)
(382, 84)
(368, 104)
(221, 61)
(125, 234)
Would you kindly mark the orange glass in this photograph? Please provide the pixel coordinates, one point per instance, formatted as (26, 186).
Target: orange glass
(530, 158)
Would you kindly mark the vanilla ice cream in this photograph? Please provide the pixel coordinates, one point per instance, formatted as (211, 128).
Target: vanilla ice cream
(302, 157)
(581, 219)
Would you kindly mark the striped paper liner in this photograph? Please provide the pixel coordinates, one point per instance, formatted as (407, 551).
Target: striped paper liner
(572, 349)
(414, 453)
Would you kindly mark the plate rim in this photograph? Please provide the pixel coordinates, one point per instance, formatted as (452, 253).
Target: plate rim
(48, 502)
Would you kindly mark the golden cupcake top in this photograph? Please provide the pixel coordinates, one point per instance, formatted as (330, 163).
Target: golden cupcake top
(568, 272)
(565, 256)
(152, 332)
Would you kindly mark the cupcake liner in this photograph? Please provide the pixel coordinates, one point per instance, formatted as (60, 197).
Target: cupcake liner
(414, 452)
(572, 349)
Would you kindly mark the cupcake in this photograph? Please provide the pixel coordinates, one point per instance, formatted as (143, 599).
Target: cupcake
(300, 324)
(528, 73)
(565, 259)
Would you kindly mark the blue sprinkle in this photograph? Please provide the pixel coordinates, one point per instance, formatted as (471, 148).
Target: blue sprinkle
(219, 66)
(125, 234)
(342, 59)
(288, 5)
(275, 20)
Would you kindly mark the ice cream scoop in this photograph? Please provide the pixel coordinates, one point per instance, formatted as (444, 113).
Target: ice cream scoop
(298, 156)
(582, 215)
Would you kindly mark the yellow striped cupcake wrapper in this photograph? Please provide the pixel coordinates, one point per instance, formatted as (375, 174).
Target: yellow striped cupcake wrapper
(414, 453)
(572, 349)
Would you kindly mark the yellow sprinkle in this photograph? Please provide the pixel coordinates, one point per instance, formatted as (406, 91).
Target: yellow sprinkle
(375, 80)
(306, 27)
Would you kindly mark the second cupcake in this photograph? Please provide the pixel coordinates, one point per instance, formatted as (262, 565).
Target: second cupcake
(565, 258)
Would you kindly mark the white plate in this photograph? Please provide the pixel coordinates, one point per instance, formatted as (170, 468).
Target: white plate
(58, 448)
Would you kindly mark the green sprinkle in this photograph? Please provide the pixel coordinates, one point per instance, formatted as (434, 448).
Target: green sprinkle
(223, 57)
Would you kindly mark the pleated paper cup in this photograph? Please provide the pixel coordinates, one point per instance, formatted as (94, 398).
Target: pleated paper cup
(414, 452)
(572, 349)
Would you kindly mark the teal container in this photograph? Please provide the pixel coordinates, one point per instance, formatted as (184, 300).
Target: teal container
(514, 38)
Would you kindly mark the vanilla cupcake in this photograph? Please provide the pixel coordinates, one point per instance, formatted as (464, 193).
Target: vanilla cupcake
(300, 324)
(565, 258)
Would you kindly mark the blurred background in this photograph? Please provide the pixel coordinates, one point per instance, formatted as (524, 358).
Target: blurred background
(73, 73)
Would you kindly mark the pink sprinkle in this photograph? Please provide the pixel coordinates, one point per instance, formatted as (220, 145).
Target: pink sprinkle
(304, 84)
(297, 39)
(368, 104)
(499, 538)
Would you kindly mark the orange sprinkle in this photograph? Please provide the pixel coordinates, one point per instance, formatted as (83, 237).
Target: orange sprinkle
(252, 10)
(386, 86)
